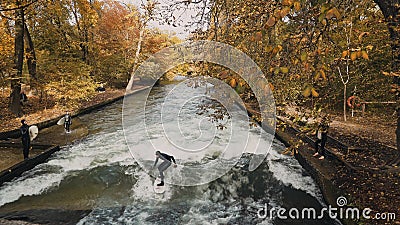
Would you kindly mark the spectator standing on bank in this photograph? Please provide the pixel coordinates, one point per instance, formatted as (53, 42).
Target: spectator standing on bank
(67, 122)
(321, 138)
(26, 140)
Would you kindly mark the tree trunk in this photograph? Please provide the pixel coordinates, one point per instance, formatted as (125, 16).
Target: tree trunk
(391, 12)
(344, 102)
(31, 55)
(15, 105)
(139, 45)
(398, 130)
(85, 45)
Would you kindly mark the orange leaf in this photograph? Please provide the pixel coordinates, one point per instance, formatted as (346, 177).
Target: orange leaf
(362, 35)
(353, 56)
(258, 36)
(323, 74)
(364, 55)
(286, 2)
(345, 53)
(271, 86)
(270, 22)
(332, 13)
(314, 93)
(233, 83)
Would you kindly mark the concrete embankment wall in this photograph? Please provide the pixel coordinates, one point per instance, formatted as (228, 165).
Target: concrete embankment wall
(17, 169)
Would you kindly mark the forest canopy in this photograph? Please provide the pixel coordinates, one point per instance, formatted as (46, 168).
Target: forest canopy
(65, 49)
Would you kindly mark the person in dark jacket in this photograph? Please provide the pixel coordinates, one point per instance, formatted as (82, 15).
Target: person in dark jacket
(67, 122)
(23, 98)
(167, 161)
(322, 136)
(26, 140)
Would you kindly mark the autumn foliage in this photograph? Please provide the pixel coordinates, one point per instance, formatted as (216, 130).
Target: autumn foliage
(78, 45)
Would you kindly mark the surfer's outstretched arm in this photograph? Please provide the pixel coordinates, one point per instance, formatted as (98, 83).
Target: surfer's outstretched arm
(173, 159)
(155, 163)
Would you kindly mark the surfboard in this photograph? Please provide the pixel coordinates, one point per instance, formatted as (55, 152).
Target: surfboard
(158, 189)
(61, 121)
(33, 132)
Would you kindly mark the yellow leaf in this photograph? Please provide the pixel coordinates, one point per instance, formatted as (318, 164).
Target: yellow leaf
(369, 47)
(314, 93)
(297, 6)
(353, 56)
(284, 70)
(268, 48)
(317, 76)
(306, 93)
(303, 56)
(323, 8)
(364, 55)
(270, 22)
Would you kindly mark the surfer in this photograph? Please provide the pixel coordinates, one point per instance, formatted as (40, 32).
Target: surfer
(67, 122)
(322, 136)
(26, 140)
(167, 160)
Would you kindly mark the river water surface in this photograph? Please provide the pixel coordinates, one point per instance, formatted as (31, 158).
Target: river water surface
(99, 174)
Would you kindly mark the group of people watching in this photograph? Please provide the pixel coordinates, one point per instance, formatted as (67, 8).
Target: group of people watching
(24, 129)
(26, 139)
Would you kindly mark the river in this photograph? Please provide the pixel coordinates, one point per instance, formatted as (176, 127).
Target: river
(99, 174)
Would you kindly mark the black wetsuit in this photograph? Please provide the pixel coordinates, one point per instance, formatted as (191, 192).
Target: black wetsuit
(67, 122)
(167, 159)
(323, 129)
(26, 140)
